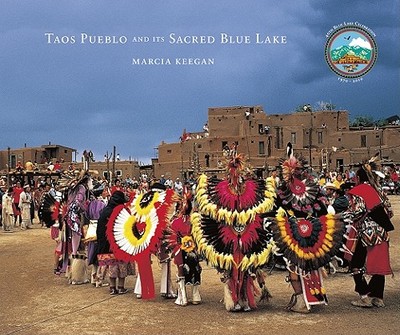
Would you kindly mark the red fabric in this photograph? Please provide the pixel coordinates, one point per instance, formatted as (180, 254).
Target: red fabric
(146, 275)
(232, 201)
(119, 254)
(313, 282)
(143, 258)
(56, 212)
(180, 227)
(378, 261)
(116, 188)
(368, 193)
(233, 288)
(54, 232)
(350, 244)
(250, 292)
(17, 193)
(15, 210)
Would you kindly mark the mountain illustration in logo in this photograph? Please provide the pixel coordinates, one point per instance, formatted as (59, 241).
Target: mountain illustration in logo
(356, 52)
(351, 51)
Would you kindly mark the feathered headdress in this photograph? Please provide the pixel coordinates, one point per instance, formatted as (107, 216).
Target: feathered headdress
(368, 172)
(235, 171)
(49, 210)
(308, 243)
(72, 179)
(298, 190)
(229, 217)
(371, 169)
(185, 202)
(293, 165)
(134, 231)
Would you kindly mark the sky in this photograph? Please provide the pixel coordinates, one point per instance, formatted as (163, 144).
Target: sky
(60, 82)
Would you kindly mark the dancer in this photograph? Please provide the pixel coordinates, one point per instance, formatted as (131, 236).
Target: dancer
(118, 269)
(370, 213)
(185, 253)
(135, 231)
(228, 231)
(50, 215)
(306, 235)
(75, 188)
(94, 208)
(77, 198)
(24, 205)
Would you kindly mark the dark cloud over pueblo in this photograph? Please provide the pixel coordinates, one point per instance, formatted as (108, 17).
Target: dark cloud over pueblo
(173, 38)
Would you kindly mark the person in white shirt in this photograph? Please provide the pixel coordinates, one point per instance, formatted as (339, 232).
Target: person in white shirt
(25, 206)
(178, 186)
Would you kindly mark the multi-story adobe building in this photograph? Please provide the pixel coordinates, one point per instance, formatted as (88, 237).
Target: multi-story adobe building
(40, 155)
(67, 157)
(324, 138)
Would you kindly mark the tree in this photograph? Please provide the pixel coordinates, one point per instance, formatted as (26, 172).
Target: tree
(324, 106)
(303, 108)
(363, 121)
(319, 106)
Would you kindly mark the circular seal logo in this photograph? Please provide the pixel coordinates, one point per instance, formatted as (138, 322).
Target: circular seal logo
(351, 51)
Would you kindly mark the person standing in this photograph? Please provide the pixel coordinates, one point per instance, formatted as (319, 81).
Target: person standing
(76, 206)
(118, 269)
(338, 181)
(162, 180)
(185, 254)
(168, 183)
(178, 186)
(17, 190)
(117, 186)
(370, 214)
(24, 204)
(2, 192)
(330, 192)
(7, 210)
(95, 206)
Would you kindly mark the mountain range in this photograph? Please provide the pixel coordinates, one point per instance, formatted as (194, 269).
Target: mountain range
(343, 50)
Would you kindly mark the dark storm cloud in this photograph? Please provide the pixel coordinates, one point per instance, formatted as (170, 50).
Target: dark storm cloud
(92, 97)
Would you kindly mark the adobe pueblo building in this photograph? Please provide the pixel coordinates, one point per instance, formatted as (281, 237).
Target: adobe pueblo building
(324, 138)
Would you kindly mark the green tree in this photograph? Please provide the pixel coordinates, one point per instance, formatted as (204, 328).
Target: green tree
(324, 106)
(363, 121)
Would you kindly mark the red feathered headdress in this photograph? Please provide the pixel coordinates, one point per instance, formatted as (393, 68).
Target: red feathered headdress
(134, 231)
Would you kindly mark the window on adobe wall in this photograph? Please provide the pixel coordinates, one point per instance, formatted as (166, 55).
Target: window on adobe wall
(261, 148)
(279, 138)
(363, 141)
(199, 146)
(320, 138)
(260, 129)
(293, 138)
(13, 161)
(169, 151)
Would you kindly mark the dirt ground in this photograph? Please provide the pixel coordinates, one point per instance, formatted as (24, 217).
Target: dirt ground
(34, 301)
